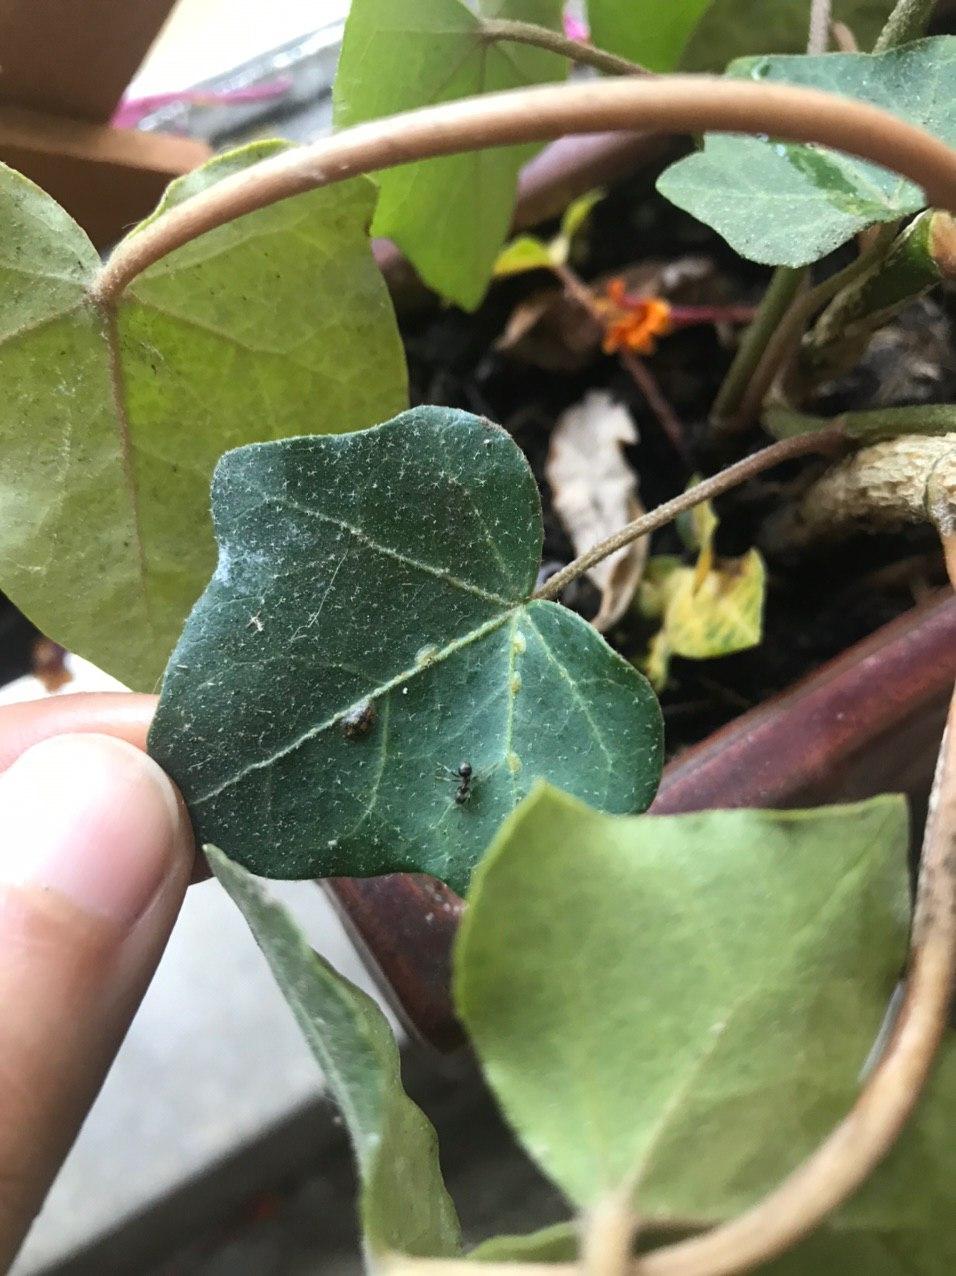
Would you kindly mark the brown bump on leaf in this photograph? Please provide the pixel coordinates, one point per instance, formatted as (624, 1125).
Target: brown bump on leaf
(595, 494)
(359, 720)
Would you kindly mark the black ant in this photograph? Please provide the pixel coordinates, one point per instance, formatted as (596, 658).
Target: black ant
(463, 776)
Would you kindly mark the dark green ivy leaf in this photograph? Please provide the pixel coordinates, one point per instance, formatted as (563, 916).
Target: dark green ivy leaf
(786, 204)
(369, 629)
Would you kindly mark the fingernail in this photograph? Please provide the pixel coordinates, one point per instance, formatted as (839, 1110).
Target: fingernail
(95, 820)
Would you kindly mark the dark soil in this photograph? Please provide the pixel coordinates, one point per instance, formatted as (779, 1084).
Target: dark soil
(817, 605)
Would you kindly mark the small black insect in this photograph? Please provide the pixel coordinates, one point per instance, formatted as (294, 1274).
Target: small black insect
(462, 775)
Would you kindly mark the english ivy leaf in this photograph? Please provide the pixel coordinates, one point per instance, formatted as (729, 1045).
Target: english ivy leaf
(112, 418)
(404, 1206)
(734, 28)
(705, 613)
(555, 1244)
(681, 1003)
(646, 31)
(786, 204)
(368, 630)
(898, 1224)
(450, 215)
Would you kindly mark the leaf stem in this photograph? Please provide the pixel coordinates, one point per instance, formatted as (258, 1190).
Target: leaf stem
(786, 337)
(907, 22)
(819, 34)
(494, 29)
(827, 441)
(776, 301)
(869, 425)
(668, 104)
(607, 1237)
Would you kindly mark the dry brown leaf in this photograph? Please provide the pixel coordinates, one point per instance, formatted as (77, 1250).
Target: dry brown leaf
(595, 493)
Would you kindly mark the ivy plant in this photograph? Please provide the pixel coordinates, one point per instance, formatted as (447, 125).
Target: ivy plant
(450, 215)
(377, 675)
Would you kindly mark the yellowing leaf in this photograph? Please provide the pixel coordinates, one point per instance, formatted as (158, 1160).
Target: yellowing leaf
(721, 614)
(711, 609)
(527, 252)
(595, 494)
(707, 613)
(523, 254)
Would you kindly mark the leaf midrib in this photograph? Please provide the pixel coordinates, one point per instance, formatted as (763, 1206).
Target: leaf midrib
(376, 693)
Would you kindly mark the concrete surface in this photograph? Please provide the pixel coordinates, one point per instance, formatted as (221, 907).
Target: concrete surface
(213, 1062)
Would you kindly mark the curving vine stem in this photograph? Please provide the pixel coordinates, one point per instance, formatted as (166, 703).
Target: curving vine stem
(666, 104)
(681, 104)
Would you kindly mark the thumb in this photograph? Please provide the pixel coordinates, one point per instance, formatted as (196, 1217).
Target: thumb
(95, 854)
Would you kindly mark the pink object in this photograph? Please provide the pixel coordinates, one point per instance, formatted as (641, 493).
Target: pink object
(131, 111)
(575, 29)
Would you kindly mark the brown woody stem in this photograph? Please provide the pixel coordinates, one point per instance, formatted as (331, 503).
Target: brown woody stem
(669, 104)
(494, 29)
(826, 441)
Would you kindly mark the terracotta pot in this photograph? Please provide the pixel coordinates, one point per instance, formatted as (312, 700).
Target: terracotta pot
(867, 722)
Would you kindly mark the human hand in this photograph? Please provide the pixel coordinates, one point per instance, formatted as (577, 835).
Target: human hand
(96, 852)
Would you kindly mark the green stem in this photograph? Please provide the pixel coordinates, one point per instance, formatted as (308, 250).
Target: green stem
(818, 441)
(786, 338)
(494, 29)
(917, 259)
(907, 22)
(868, 426)
(776, 301)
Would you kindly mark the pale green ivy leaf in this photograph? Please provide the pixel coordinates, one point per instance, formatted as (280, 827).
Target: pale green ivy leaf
(449, 215)
(900, 1223)
(788, 204)
(646, 31)
(555, 1244)
(681, 1005)
(112, 418)
(404, 1206)
(370, 628)
(528, 252)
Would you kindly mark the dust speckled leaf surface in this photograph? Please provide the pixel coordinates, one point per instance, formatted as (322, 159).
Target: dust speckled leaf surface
(782, 203)
(369, 629)
(722, 977)
(449, 215)
(404, 1206)
(112, 418)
